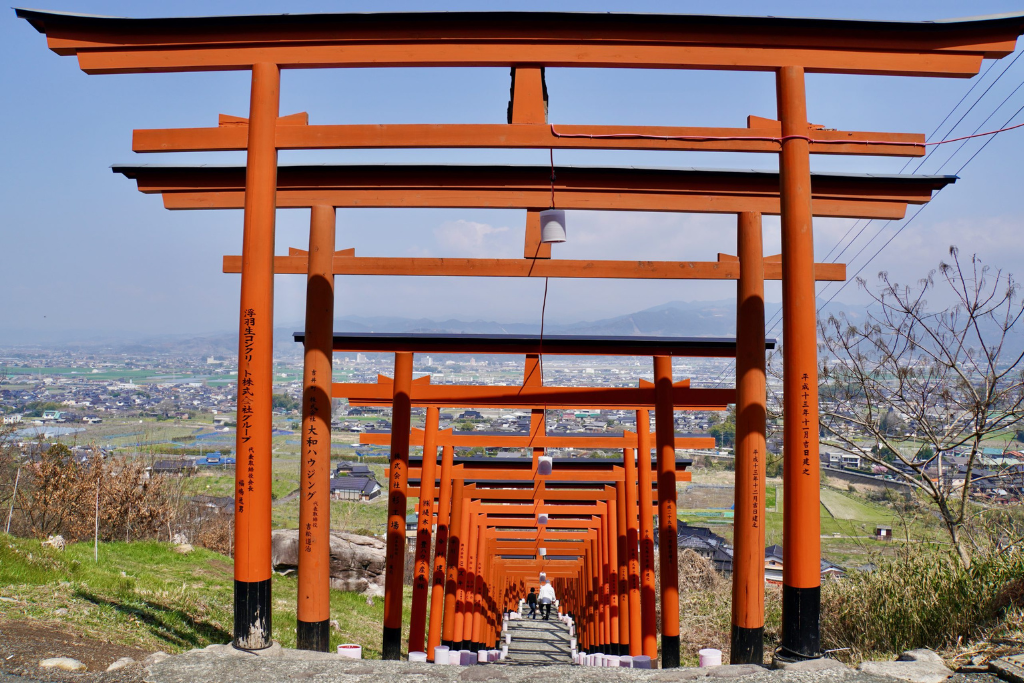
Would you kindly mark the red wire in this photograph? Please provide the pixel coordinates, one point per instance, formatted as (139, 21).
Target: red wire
(754, 138)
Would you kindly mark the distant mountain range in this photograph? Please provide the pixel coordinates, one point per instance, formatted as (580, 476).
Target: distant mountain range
(672, 319)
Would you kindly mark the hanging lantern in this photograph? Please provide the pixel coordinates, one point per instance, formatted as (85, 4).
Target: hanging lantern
(544, 464)
(542, 518)
(542, 551)
(552, 226)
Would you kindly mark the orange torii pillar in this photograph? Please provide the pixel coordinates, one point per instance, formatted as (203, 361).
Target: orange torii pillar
(748, 552)
(420, 578)
(665, 435)
(456, 543)
(635, 639)
(467, 581)
(648, 600)
(479, 592)
(313, 614)
(613, 577)
(538, 416)
(394, 559)
(621, 552)
(611, 544)
(444, 517)
(801, 525)
(253, 468)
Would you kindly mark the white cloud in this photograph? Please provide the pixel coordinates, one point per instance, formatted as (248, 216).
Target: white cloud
(476, 240)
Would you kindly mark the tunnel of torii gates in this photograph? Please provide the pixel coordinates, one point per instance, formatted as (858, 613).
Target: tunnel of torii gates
(223, 187)
(527, 42)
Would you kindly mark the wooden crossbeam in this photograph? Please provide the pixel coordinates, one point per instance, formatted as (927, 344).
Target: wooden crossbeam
(551, 39)
(463, 396)
(293, 132)
(349, 264)
(447, 437)
(529, 187)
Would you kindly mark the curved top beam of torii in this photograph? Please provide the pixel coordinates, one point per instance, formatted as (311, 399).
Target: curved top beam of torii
(563, 39)
(531, 187)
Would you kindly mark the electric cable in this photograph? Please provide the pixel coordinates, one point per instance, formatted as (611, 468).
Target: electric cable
(951, 157)
(929, 153)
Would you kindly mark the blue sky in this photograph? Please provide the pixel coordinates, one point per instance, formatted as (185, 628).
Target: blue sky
(84, 254)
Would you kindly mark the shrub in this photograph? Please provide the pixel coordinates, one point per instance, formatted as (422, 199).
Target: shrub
(922, 598)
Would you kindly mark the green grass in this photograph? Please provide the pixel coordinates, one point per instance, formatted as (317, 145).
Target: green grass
(146, 595)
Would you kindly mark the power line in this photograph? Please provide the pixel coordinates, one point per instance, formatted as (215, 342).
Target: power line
(903, 226)
(931, 151)
(776, 317)
(918, 212)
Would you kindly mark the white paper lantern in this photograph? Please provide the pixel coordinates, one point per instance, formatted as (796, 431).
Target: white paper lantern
(552, 226)
(544, 464)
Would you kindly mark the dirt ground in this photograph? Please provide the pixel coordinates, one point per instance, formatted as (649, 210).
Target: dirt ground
(24, 643)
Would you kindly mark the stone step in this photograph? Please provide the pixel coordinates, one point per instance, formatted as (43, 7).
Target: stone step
(538, 642)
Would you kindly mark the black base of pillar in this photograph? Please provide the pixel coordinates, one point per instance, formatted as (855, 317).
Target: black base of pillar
(801, 623)
(466, 645)
(313, 635)
(747, 645)
(392, 647)
(252, 615)
(449, 644)
(669, 652)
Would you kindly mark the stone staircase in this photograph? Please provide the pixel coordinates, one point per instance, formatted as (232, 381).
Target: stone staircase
(538, 642)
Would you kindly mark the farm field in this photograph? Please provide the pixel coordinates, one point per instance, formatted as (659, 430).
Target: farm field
(848, 521)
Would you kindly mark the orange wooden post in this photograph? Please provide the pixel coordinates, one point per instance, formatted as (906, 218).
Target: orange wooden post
(479, 600)
(253, 468)
(444, 516)
(469, 587)
(665, 434)
(593, 596)
(648, 618)
(622, 586)
(632, 551)
(455, 543)
(603, 581)
(420, 579)
(748, 553)
(801, 525)
(313, 613)
(397, 486)
(532, 378)
(613, 577)
(461, 577)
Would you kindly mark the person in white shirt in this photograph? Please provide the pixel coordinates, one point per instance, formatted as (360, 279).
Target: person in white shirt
(546, 597)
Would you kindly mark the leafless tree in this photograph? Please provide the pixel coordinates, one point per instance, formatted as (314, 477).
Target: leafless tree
(912, 387)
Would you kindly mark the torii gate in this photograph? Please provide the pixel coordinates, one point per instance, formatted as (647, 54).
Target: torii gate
(859, 196)
(490, 467)
(788, 47)
(853, 195)
(663, 395)
(615, 482)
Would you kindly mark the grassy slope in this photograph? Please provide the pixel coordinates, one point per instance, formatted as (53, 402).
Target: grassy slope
(146, 595)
